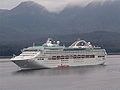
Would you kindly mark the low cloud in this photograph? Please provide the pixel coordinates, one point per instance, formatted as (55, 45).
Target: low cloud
(51, 5)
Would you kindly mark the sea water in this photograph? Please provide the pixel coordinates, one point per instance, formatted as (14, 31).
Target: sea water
(99, 77)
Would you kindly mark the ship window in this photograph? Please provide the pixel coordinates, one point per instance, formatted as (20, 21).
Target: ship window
(66, 57)
(58, 57)
(87, 56)
(53, 57)
(62, 57)
(40, 58)
(90, 56)
(31, 50)
(101, 56)
(82, 56)
(75, 56)
(79, 56)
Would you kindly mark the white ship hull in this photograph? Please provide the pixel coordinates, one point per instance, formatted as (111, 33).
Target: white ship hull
(51, 55)
(36, 64)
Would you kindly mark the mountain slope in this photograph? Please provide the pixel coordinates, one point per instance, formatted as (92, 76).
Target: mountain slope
(108, 40)
(29, 7)
(94, 17)
(30, 17)
(30, 22)
(26, 18)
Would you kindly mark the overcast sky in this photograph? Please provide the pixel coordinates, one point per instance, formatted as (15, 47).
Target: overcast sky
(49, 4)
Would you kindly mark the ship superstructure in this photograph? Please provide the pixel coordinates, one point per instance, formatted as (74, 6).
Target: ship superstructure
(52, 55)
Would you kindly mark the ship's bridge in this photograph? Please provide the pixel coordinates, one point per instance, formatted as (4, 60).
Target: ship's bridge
(51, 43)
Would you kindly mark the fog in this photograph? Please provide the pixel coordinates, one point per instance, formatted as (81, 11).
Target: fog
(51, 5)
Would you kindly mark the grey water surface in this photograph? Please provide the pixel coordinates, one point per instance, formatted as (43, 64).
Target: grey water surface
(101, 77)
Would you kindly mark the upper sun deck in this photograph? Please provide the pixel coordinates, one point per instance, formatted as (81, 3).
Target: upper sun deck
(41, 48)
(54, 45)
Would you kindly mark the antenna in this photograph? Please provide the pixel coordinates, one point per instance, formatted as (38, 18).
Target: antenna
(33, 44)
(14, 55)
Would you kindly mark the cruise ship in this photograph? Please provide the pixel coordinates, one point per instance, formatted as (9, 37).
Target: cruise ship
(53, 55)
